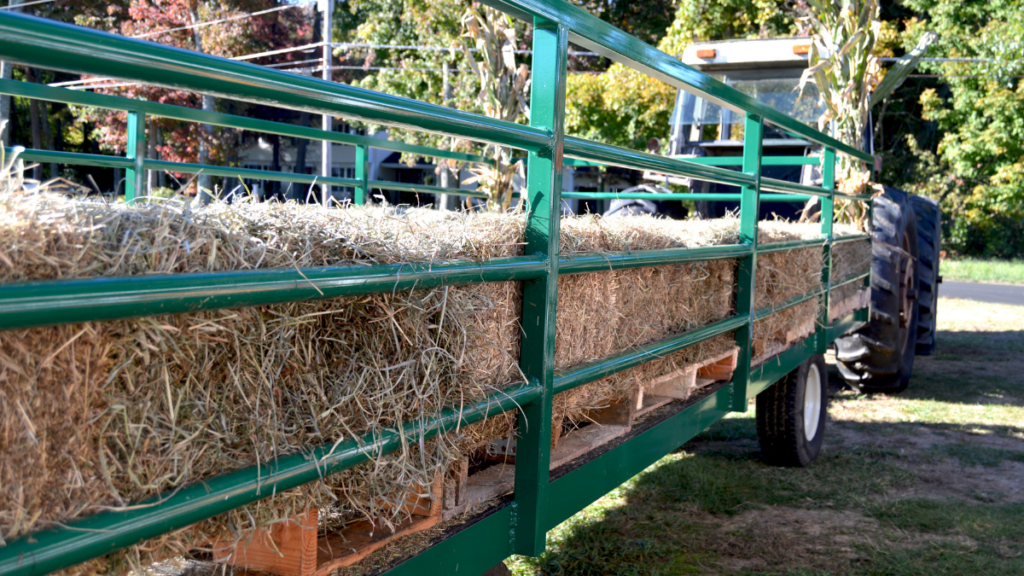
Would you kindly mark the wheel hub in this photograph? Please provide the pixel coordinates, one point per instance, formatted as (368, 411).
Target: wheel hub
(812, 402)
(907, 293)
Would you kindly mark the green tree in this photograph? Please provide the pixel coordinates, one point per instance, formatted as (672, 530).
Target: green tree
(977, 167)
(168, 22)
(648, 20)
(620, 106)
(707, 20)
(415, 73)
(626, 108)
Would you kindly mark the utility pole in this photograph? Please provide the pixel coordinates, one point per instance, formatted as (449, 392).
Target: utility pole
(327, 6)
(446, 201)
(204, 184)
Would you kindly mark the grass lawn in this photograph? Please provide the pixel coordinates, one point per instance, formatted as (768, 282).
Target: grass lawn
(1007, 271)
(927, 482)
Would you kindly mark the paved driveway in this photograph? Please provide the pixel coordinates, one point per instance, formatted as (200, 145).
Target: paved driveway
(991, 293)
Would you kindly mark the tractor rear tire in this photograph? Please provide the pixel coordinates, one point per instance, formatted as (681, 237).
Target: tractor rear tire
(879, 356)
(929, 236)
(791, 415)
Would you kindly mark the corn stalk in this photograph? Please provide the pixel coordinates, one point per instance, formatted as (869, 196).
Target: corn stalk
(503, 89)
(845, 70)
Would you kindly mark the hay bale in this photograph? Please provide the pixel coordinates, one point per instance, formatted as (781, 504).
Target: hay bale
(106, 414)
(685, 296)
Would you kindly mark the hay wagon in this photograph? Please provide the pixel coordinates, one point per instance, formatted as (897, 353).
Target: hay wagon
(303, 389)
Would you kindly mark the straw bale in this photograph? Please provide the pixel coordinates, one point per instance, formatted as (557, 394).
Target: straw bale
(654, 303)
(107, 414)
(102, 415)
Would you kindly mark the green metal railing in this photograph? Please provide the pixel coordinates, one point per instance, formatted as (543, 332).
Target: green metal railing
(541, 499)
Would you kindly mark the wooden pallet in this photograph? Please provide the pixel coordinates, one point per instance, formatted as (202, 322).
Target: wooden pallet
(295, 548)
(683, 383)
(606, 425)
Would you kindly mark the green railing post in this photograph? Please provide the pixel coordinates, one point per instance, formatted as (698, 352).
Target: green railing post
(747, 270)
(362, 173)
(134, 183)
(828, 182)
(864, 314)
(537, 356)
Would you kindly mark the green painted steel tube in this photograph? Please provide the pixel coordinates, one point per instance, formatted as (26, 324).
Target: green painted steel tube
(53, 45)
(851, 279)
(105, 532)
(81, 98)
(626, 158)
(770, 371)
(827, 217)
(135, 177)
(75, 158)
(792, 187)
(746, 268)
(472, 551)
(794, 245)
(567, 380)
(765, 161)
(722, 160)
(862, 197)
(590, 32)
(540, 296)
(850, 238)
(763, 313)
(229, 172)
(724, 196)
(51, 302)
(581, 263)
(402, 186)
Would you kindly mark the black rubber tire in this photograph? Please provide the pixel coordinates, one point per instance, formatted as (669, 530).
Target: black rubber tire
(929, 242)
(879, 357)
(780, 416)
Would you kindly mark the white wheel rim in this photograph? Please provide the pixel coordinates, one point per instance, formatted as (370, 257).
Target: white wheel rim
(812, 402)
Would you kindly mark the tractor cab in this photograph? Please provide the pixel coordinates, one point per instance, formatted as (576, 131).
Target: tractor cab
(766, 70)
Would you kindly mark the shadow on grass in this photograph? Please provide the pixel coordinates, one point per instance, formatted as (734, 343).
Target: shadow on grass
(714, 507)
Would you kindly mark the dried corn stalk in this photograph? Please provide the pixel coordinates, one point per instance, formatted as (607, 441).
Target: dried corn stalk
(843, 66)
(503, 89)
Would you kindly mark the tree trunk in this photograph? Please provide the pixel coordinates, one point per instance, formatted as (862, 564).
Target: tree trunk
(150, 152)
(6, 72)
(37, 133)
(300, 157)
(205, 182)
(158, 141)
(275, 186)
(48, 136)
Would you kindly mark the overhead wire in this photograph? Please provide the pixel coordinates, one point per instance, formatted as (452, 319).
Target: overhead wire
(347, 45)
(23, 4)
